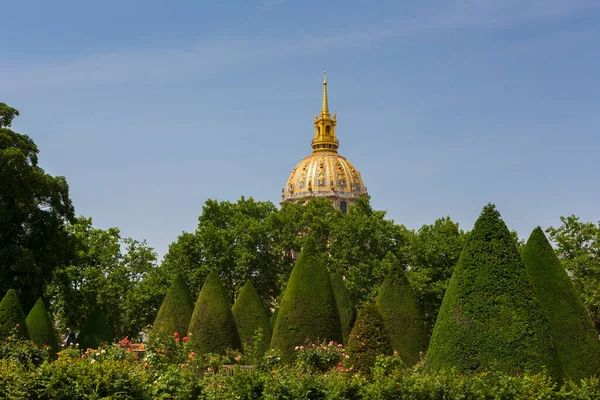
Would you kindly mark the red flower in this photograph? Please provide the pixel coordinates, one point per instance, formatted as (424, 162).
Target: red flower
(185, 338)
(192, 354)
(18, 326)
(176, 334)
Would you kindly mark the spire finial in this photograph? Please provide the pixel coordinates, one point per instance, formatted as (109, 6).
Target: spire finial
(325, 108)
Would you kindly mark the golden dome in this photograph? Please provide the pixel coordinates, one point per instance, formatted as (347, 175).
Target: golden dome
(325, 173)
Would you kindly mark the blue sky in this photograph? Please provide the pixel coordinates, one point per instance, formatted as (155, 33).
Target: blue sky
(444, 106)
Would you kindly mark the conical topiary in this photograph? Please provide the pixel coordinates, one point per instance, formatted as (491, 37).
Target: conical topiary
(344, 305)
(368, 339)
(490, 318)
(12, 316)
(571, 325)
(250, 316)
(212, 327)
(175, 312)
(308, 311)
(41, 329)
(397, 304)
(95, 331)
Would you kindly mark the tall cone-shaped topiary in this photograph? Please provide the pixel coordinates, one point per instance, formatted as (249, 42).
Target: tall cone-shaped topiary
(175, 312)
(397, 304)
(41, 329)
(250, 316)
(490, 318)
(344, 305)
(308, 310)
(571, 325)
(212, 327)
(368, 339)
(11, 315)
(95, 331)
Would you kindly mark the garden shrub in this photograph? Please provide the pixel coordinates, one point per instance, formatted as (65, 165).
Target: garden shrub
(12, 315)
(250, 315)
(40, 327)
(344, 304)
(308, 310)
(175, 312)
(368, 339)
(397, 304)
(571, 325)
(212, 327)
(490, 319)
(95, 330)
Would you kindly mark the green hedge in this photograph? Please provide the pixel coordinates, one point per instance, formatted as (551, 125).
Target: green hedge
(40, 326)
(175, 312)
(250, 315)
(368, 339)
(308, 311)
(11, 315)
(490, 318)
(571, 325)
(212, 327)
(397, 304)
(95, 330)
(344, 305)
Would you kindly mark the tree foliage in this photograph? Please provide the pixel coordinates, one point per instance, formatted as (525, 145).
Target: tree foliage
(308, 310)
(34, 207)
(175, 312)
(108, 271)
(95, 330)
(250, 315)
(398, 306)
(212, 327)
(490, 318)
(368, 339)
(40, 326)
(574, 335)
(578, 248)
(11, 315)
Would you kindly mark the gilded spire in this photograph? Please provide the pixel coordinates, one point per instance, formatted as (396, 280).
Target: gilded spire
(325, 107)
(325, 137)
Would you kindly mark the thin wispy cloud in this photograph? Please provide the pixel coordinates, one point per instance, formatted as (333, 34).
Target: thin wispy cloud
(202, 58)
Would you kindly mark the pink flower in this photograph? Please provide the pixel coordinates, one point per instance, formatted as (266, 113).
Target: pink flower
(185, 339)
(176, 334)
(192, 354)
(83, 356)
(18, 326)
(176, 340)
(340, 345)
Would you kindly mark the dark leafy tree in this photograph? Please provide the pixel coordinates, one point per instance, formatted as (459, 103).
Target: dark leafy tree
(175, 312)
(12, 315)
(571, 325)
(344, 305)
(95, 331)
(368, 339)
(308, 310)
(250, 315)
(490, 318)
(34, 207)
(212, 327)
(398, 306)
(40, 326)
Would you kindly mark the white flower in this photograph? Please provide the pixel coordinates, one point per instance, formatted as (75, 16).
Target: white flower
(93, 360)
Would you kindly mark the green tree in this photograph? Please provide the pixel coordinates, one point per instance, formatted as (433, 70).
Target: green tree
(308, 309)
(34, 207)
(250, 315)
(490, 318)
(40, 326)
(108, 271)
(344, 304)
(433, 251)
(11, 315)
(369, 338)
(235, 239)
(95, 331)
(398, 306)
(574, 334)
(212, 326)
(175, 312)
(578, 248)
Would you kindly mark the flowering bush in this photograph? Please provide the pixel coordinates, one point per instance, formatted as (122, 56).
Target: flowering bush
(320, 357)
(15, 348)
